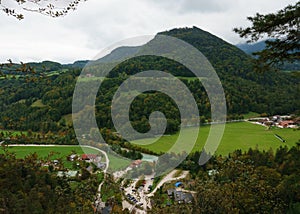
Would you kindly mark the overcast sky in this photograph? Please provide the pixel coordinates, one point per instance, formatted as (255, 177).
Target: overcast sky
(96, 24)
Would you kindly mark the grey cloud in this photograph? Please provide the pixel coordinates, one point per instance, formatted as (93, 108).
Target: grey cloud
(97, 24)
(204, 6)
(190, 6)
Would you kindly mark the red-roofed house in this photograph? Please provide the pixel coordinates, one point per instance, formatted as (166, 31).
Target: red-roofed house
(136, 163)
(286, 124)
(88, 157)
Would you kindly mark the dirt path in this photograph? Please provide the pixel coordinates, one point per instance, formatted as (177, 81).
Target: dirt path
(167, 178)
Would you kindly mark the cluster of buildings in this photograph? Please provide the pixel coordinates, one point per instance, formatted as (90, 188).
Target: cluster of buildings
(179, 195)
(279, 121)
(91, 158)
(95, 159)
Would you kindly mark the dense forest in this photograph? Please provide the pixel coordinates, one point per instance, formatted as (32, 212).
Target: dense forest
(242, 182)
(31, 185)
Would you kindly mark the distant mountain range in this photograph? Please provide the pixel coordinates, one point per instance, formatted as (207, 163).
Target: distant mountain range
(252, 48)
(259, 46)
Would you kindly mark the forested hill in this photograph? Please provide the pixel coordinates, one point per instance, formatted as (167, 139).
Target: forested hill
(41, 100)
(224, 56)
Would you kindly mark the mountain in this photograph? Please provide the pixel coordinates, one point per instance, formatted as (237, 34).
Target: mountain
(252, 48)
(43, 104)
(77, 64)
(119, 54)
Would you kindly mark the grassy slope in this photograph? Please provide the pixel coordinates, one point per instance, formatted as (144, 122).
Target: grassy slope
(251, 115)
(241, 135)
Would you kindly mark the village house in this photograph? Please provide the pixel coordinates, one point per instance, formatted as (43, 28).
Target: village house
(287, 124)
(136, 163)
(72, 157)
(91, 158)
(95, 159)
(281, 121)
(68, 174)
(180, 196)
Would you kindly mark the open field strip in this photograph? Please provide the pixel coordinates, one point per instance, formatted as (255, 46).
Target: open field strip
(62, 151)
(240, 135)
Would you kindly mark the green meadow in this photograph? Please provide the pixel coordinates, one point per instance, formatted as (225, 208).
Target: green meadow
(117, 163)
(44, 151)
(62, 152)
(240, 135)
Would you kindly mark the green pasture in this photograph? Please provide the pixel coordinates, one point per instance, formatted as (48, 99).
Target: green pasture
(251, 115)
(62, 152)
(44, 151)
(240, 135)
(117, 163)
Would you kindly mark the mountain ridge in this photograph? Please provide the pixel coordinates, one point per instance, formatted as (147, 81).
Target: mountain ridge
(246, 90)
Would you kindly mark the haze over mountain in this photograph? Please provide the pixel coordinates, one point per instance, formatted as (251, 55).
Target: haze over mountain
(259, 46)
(252, 48)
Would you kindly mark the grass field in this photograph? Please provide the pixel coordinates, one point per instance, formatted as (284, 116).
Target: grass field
(251, 115)
(44, 151)
(88, 79)
(117, 163)
(63, 152)
(242, 135)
